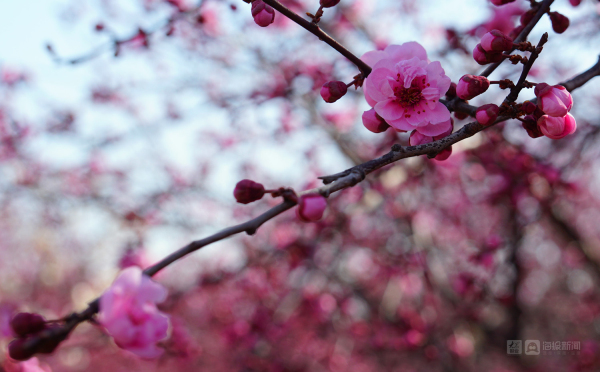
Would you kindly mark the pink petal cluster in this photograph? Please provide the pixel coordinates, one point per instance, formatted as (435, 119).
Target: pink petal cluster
(557, 127)
(554, 100)
(405, 88)
(262, 13)
(129, 314)
(311, 207)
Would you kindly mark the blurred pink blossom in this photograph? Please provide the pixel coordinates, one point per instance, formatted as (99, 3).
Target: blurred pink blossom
(129, 314)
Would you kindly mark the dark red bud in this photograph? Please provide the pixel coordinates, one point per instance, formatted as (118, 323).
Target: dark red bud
(247, 191)
(24, 324)
(451, 93)
(530, 125)
(560, 23)
(328, 3)
(528, 107)
(460, 115)
(527, 17)
(17, 349)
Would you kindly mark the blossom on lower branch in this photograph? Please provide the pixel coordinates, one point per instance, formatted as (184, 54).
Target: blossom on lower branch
(129, 314)
(405, 88)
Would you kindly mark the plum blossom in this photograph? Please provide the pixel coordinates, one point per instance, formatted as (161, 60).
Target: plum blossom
(405, 88)
(311, 207)
(129, 314)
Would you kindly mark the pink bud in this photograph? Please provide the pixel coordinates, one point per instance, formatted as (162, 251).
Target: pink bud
(262, 13)
(496, 41)
(374, 122)
(528, 107)
(556, 128)
(530, 125)
(328, 3)
(575, 2)
(247, 191)
(484, 57)
(417, 139)
(560, 23)
(501, 2)
(553, 100)
(311, 207)
(333, 90)
(444, 154)
(470, 86)
(24, 324)
(487, 114)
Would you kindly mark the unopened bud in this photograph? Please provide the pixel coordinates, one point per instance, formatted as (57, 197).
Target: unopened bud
(262, 13)
(483, 57)
(528, 107)
(530, 125)
(24, 324)
(470, 86)
(17, 349)
(333, 90)
(311, 207)
(247, 191)
(444, 154)
(374, 122)
(451, 93)
(553, 100)
(496, 41)
(560, 23)
(487, 114)
(328, 3)
(501, 2)
(527, 17)
(516, 31)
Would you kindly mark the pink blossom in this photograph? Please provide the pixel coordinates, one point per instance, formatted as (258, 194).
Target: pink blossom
(556, 128)
(554, 100)
(374, 122)
(262, 13)
(129, 314)
(311, 207)
(404, 88)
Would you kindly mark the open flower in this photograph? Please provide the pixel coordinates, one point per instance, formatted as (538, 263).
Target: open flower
(129, 314)
(405, 88)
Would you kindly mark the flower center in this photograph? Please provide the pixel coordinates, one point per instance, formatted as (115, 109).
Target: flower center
(408, 97)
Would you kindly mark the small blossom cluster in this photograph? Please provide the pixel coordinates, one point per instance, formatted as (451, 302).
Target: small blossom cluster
(551, 117)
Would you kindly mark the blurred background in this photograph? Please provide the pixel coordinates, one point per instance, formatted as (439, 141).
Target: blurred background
(125, 125)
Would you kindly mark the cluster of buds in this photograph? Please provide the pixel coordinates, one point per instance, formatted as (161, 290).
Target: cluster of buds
(310, 207)
(551, 116)
(34, 335)
(417, 139)
(491, 48)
